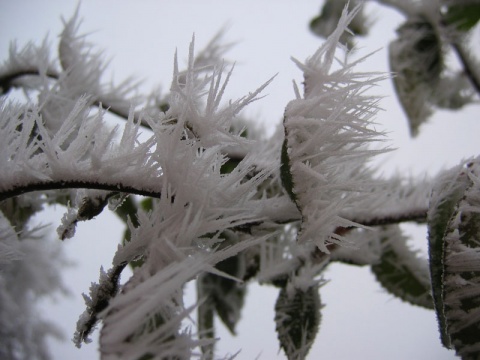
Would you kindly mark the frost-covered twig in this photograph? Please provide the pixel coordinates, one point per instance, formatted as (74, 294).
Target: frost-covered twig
(97, 301)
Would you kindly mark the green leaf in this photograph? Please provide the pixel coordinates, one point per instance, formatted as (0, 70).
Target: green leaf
(463, 16)
(416, 59)
(445, 196)
(401, 271)
(461, 285)
(297, 317)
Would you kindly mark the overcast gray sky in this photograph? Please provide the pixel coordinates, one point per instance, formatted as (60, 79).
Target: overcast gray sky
(359, 320)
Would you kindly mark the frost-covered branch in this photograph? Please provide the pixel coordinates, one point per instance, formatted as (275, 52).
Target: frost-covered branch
(61, 184)
(225, 205)
(100, 296)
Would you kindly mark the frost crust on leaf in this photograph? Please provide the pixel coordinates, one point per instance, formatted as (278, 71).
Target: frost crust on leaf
(462, 269)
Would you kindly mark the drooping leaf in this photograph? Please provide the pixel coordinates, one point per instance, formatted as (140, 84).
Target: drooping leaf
(461, 285)
(416, 59)
(445, 195)
(297, 317)
(401, 271)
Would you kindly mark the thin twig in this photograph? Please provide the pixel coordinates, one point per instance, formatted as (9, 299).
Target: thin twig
(467, 66)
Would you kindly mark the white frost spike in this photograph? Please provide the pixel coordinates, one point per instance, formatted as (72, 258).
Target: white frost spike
(210, 123)
(327, 134)
(83, 67)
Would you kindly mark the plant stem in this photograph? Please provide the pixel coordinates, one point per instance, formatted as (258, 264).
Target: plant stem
(467, 65)
(57, 185)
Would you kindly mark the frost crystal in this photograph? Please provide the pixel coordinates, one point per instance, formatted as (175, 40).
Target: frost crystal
(326, 137)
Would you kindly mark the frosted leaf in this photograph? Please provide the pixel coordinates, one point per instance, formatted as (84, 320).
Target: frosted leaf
(461, 277)
(297, 317)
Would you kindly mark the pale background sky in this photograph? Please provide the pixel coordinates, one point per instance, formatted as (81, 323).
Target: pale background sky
(360, 321)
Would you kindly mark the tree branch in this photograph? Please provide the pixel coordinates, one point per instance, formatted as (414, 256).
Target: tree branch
(57, 185)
